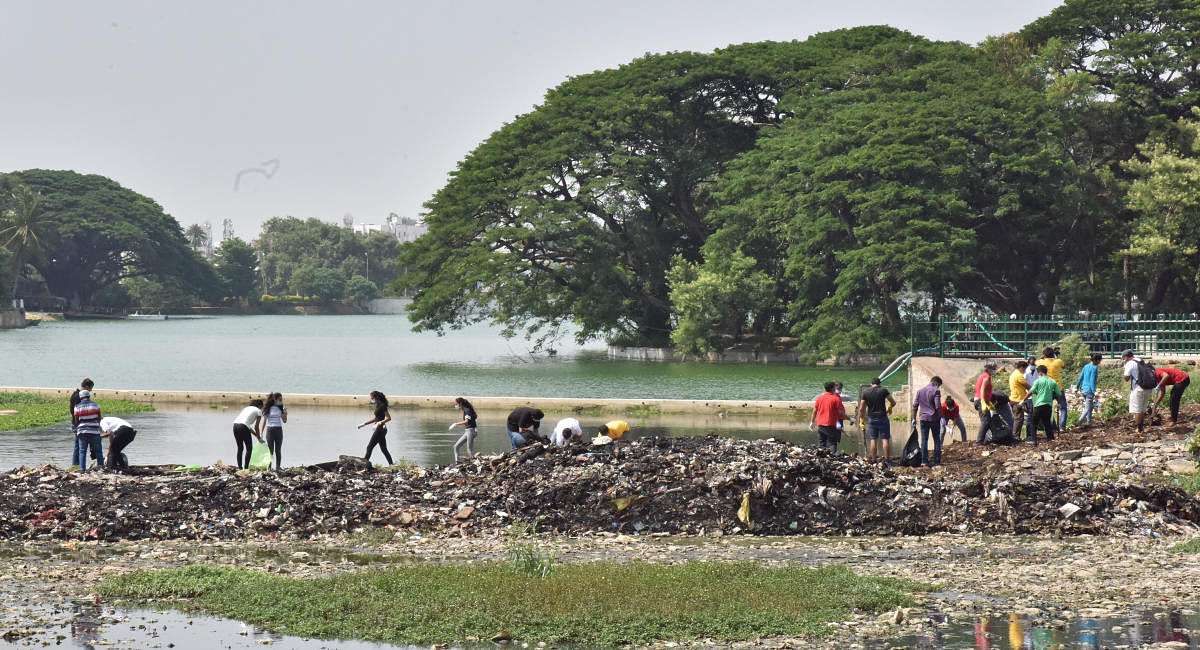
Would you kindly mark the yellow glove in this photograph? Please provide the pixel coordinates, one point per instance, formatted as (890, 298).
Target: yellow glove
(889, 409)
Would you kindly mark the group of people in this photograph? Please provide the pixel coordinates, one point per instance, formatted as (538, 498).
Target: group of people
(263, 420)
(524, 427)
(89, 427)
(1035, 389)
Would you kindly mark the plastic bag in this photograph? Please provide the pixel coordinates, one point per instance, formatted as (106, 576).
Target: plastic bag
(260, 456)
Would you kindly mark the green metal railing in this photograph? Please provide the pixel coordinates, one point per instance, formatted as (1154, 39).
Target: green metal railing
(1163, 334)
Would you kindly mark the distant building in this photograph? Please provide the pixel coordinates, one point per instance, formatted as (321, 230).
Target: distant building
(405, 229)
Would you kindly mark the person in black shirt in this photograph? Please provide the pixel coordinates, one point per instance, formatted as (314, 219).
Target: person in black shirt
(382, 417)
(469, 423)
(523, 425)
(874, 407)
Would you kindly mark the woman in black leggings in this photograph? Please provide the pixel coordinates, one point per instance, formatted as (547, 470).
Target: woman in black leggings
(382, 417)
(275, 414)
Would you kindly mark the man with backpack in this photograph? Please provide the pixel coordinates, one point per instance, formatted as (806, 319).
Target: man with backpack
(1141, 385)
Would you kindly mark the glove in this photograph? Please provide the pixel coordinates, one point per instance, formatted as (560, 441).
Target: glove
(451, 427)
(810, 427)
(889, 410)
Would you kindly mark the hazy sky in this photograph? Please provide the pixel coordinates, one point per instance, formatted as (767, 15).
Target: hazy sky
(249, 110)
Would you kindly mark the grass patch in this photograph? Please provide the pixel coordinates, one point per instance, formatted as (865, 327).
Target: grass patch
(1190, 546)
(598, 603)
(1189, 483)
(37, 411)
(1109, 474)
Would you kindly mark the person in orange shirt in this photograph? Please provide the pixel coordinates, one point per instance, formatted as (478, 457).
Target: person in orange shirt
(827, 412)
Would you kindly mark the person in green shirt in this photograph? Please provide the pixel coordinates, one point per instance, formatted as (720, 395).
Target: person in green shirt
(1045, 392)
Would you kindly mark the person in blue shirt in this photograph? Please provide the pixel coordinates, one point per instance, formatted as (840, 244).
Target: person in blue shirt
(1087, 385)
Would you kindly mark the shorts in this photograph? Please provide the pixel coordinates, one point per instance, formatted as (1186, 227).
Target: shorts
(879, 428)
(1139, 399)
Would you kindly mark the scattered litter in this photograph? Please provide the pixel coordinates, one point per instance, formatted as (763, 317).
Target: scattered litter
(664, 485)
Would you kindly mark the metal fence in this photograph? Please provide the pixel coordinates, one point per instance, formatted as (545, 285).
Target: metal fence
(1164, 334)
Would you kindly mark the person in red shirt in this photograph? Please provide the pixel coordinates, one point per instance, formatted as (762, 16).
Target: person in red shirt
(951, 415)
(983, 400)
(827, 412)
(1178, 380)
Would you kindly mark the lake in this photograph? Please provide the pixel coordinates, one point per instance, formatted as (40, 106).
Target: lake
(358, 354)
(192, 434)
(354, 355)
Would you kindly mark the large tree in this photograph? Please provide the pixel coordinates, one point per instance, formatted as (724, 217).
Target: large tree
(920, 178)
(236, 265)
(572, 213)
(102, 233)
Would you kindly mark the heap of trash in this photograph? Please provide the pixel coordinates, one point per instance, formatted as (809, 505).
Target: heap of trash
(687, 485)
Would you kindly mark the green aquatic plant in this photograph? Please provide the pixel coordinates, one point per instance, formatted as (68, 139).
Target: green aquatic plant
(33, 411)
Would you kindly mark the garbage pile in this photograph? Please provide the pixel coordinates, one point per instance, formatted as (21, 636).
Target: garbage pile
(654, 485)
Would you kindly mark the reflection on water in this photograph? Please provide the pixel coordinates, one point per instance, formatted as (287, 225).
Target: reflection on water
(1021, 632)
(200, 435)
(100, 626)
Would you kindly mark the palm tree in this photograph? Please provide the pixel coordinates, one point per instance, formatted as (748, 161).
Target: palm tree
(196, 236)
(23, 229)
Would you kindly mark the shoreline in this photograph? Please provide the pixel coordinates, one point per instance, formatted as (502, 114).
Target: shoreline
(777, 408)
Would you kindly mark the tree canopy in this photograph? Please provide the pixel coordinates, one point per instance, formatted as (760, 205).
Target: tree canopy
(100, 233)
(828, 189)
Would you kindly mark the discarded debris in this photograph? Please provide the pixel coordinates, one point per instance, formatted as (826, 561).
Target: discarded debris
(657, 485)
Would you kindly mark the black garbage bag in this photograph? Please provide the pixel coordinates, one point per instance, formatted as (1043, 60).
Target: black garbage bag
(997, 432)
(911, 456)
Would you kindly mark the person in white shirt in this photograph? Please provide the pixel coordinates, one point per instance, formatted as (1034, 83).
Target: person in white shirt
(1139, 398)
(119, 434)
(247, 423)
(275, 413)
(565, 432)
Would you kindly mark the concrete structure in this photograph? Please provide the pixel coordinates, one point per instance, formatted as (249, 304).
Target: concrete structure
(12, 319)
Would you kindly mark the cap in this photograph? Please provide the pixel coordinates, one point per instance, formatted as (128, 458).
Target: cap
(1127, 353)
(85, 393)
(876, 381)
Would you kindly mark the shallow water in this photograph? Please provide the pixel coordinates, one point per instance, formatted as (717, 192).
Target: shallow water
(199, 435)
(357, 354)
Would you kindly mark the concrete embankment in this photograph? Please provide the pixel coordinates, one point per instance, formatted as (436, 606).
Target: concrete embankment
(555, 405)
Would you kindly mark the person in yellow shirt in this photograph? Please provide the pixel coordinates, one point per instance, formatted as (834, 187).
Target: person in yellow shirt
(1018, 390)
(1054, 368)
(615, 430)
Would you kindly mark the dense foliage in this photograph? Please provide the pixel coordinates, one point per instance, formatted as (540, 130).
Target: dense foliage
(85, 234)
(829, 189)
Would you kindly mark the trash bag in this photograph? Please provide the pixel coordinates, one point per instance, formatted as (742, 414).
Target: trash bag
(260, 456)
(998, 432)
(911, 456)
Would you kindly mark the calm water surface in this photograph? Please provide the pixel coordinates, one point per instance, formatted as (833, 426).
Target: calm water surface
(357, 354)
(199, 435)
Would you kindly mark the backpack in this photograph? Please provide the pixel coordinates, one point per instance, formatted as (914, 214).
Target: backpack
(1146, 378)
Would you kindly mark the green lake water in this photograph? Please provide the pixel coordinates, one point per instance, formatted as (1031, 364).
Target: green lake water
(357, 354)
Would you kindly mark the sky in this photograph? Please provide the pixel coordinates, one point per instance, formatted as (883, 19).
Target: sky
(251, 110)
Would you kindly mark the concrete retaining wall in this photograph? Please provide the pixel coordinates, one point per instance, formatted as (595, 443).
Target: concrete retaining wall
(12, 319)
(738, 356)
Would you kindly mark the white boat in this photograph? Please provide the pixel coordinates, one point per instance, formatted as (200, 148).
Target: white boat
(137, 315)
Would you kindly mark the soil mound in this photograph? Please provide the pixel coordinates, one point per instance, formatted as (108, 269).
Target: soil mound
(656, 485)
